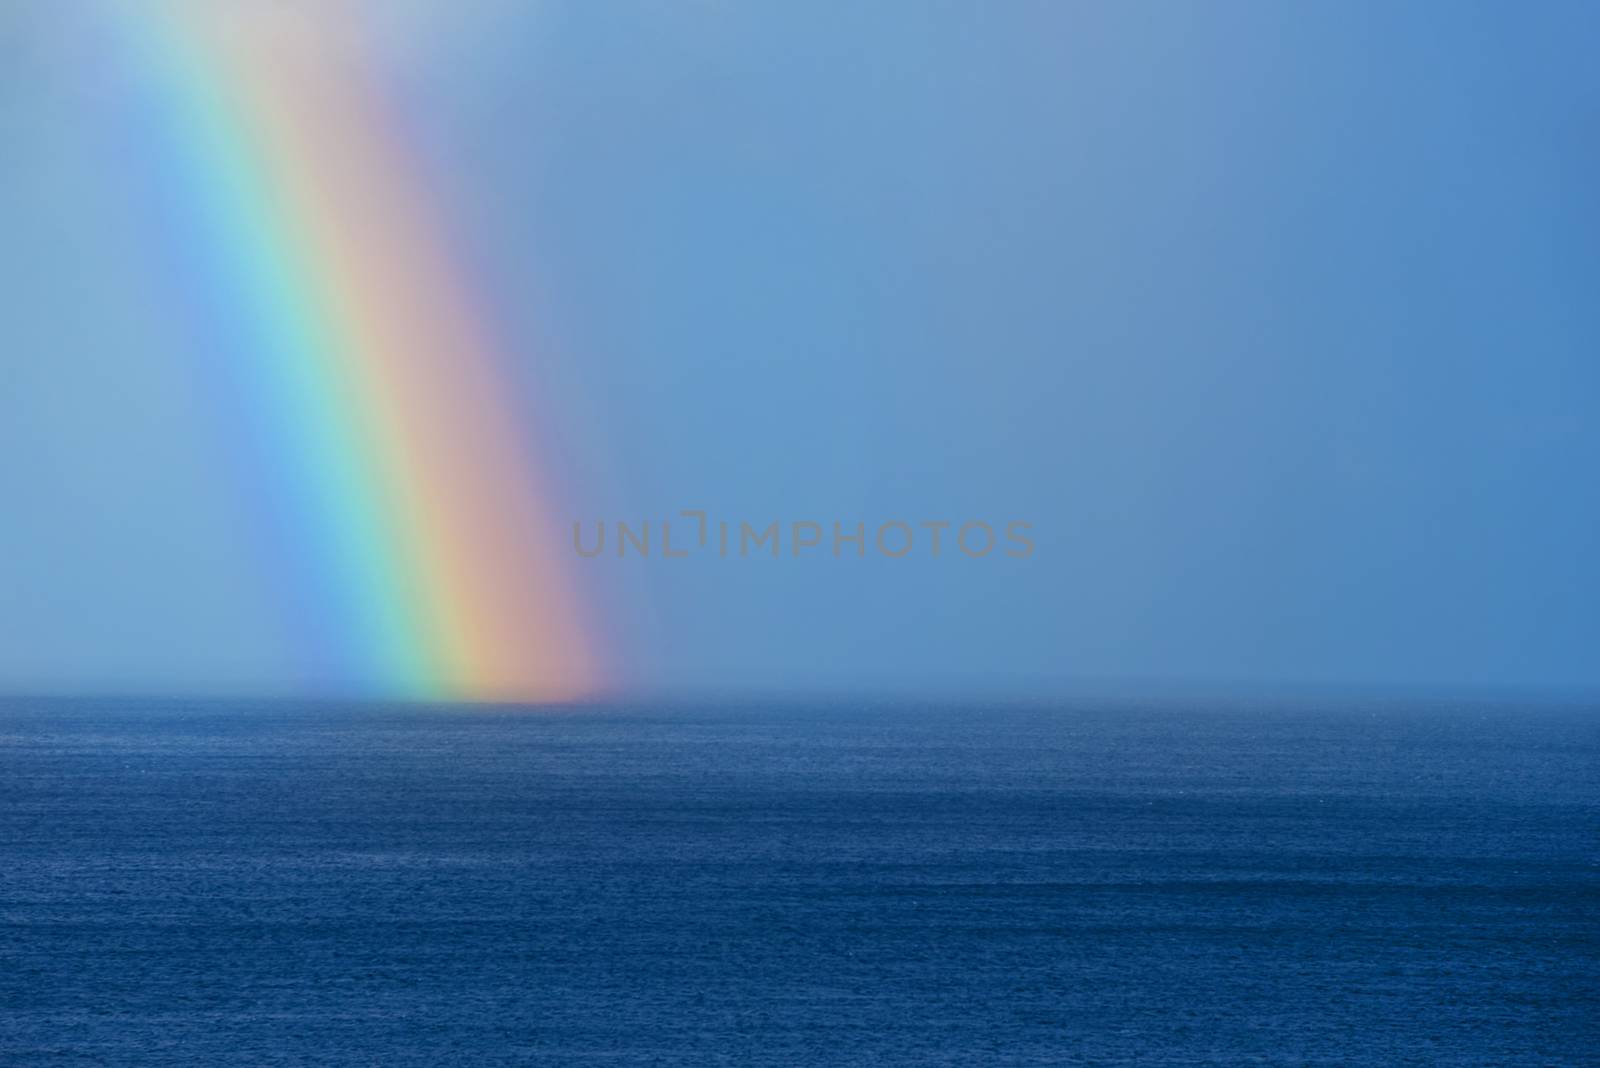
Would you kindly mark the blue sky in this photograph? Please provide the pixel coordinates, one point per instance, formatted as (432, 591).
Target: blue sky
(1277, 322)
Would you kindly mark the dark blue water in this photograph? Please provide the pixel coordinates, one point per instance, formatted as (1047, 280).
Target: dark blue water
(230, 884)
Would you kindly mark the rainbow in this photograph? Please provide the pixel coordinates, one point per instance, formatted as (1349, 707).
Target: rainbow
(392, 459)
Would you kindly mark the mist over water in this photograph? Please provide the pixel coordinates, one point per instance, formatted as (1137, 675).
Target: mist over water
(894, 885)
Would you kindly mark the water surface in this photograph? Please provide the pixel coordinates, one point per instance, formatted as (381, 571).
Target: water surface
(880, 885)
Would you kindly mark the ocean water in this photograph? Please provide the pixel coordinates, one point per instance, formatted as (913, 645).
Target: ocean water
(214, 884)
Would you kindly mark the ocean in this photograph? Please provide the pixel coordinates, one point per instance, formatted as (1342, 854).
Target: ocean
(1351, 883)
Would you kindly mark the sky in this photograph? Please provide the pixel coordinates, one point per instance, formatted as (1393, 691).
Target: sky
(1276, 323)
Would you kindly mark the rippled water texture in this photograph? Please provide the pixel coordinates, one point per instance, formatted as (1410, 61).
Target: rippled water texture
(240, 884)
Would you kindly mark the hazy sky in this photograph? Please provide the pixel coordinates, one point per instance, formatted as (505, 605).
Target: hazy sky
(1278, 322)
